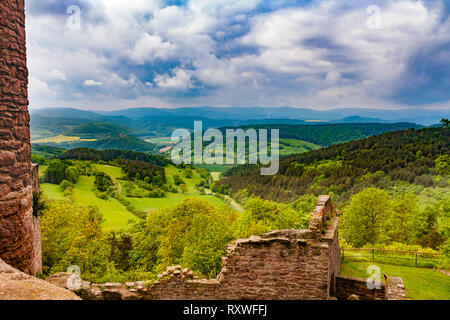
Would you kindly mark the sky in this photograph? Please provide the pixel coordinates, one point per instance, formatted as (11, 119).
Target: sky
(320, 54)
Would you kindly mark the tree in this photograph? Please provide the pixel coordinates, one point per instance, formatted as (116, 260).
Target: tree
(193, 233)
(364, 217)
(72, 174)
(401, 222)
(443, 164)
(102, 181)
(445, 123)
(72, 235)
(426, 233)
(444, 224)
(55, 172)
(261, 216)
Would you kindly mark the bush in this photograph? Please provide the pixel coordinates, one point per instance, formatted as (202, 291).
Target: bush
(103, 181)
(71, 174)
(177, 180)
(65, 184)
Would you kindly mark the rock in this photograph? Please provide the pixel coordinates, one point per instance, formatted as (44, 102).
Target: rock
(16, 285)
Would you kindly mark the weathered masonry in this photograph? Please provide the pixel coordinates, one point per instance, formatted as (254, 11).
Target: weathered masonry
(19, 230)
(284, 264)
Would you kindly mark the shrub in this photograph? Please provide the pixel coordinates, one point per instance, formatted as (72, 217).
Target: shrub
(65, 184)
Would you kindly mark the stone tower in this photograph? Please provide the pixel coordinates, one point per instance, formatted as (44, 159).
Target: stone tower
(19, 229)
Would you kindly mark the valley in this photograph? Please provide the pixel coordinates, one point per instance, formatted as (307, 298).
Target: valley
(116, 214)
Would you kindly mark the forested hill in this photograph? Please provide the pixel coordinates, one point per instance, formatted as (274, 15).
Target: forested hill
(409, 155)
(117, 142)
(112, 154)
(329, 134)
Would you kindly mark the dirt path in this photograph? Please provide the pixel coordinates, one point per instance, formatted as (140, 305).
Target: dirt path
(118, 185)
(229, 200)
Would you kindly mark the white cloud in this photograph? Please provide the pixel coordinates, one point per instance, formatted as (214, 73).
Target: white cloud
(319, 55)
(181, 80)
(148, 48)
(90, 82)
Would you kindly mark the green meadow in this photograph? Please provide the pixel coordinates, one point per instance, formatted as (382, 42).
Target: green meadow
(420, 283)
(116, 215)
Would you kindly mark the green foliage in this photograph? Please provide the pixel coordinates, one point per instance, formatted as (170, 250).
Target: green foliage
(443, 220)
(346, 169)
(40, 204)
(401, 220)
(118, 142)
(363, 220)
(55, 172)
(177, 180)
(114, 154)
(46, 151)
(103, 182)
(261, 216)
(65, 184)
(40, 160)
(99, 130)
(72, 235)
(443, 164)
(71, 173)
(373, 218)
(140, 170)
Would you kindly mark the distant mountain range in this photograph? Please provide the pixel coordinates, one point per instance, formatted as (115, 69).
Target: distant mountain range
(352, 115)
(127, 129)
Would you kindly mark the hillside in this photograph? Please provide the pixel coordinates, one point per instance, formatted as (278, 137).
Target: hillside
(99, 130)
(116, 142)
(345, 169)
(329, 134)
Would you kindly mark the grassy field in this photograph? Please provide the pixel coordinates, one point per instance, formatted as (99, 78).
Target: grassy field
(61, 139)
(161, 141)
(294, 146)
(420, 283)
(115, 214)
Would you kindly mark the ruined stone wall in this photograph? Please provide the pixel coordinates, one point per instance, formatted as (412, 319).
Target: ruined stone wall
(350, 286)
(284, 264)
(17, 225)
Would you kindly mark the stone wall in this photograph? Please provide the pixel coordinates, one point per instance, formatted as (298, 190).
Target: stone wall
(284, 264)
(351, 286)
(395, 288)
(17, 225)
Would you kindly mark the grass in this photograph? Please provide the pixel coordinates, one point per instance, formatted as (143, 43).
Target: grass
(294, 146)
(420, 283)
(161, 141)
(115, 214)
(60, 139)
(52, 191)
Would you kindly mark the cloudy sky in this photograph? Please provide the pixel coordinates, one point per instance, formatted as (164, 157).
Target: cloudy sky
(110, 54)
